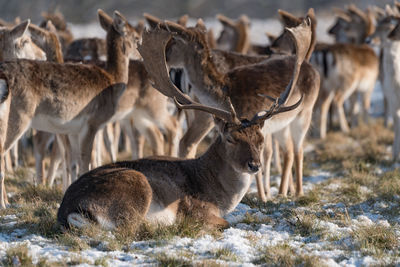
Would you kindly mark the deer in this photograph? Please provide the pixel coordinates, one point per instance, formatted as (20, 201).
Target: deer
(161, 189)
(345, 69)
(63, 32)
(16, 43)
(387, 31)
(209, 83)
(138, 104)
(73, 99)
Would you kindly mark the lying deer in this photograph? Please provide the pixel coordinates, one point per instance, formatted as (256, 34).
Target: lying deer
(201, 67)
(74, 99)
(161, 189)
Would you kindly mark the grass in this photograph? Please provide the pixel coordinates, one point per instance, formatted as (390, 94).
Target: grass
(18, 256)
(353, 158)
(170, 261)
(279, 255)
(225, 254)
(376, 239)
(306, 224)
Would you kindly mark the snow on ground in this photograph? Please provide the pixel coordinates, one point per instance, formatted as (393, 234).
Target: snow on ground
(245, 241)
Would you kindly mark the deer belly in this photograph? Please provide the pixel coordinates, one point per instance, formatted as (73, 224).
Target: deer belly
(159, 214)
(51, 124)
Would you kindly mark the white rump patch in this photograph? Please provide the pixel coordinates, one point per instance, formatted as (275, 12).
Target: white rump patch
(105, 223)
(77, 220)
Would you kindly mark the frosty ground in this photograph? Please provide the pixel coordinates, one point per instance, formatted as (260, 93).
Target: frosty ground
(349, 216)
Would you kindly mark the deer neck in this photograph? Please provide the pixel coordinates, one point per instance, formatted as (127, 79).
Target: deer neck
(207, 82)
(117, 60)
(53, 50)
(216, 179)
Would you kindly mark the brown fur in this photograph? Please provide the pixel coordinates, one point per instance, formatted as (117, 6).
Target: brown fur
(187, 187)
(66, 92)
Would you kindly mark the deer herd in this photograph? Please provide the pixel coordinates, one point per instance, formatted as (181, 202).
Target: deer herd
(170, 85)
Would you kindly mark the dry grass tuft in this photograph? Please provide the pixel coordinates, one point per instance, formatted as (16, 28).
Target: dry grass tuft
(376, 239)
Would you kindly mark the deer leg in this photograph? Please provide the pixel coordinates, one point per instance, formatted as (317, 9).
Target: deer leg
(41, 141)
(108, 135)
(344, 126)
(326, 103)
(299, 128)
(128, 130)
(286, 144)
(73, 155)
(55, 161)
(8, 162)
(3, 193)
(85, 147)
(366, 98)
(267, 153)
(194, 134)
(173, 133)
(355, 108)
(396, 145)
(156, 139)
(276, 153)
(14, 155)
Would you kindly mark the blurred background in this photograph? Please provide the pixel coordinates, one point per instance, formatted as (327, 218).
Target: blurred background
(84, 11)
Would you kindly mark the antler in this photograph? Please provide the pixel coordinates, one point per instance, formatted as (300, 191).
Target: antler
(301, 36)
(152, 50)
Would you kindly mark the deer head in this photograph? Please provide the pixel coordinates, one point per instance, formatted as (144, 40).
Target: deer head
(15, 43)
(384, 26)
(121, 27)
(352, 25)
(235, 34)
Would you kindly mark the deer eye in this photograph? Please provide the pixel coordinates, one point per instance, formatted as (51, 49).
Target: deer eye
(230, 140)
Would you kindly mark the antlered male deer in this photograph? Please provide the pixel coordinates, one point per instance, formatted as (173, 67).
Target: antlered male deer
(74, 99)
(161, 189)
(210, 86)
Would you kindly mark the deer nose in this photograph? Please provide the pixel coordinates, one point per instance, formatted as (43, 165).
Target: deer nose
(253, 166)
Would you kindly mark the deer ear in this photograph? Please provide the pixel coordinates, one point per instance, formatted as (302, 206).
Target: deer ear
(50, 27)
(105, 20)
(288, 19)
(200, 25)
(220, 124)
(20, 29)
(119, 23)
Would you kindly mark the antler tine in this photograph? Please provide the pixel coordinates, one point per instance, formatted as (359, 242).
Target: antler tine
(301, 36)
(152, 50)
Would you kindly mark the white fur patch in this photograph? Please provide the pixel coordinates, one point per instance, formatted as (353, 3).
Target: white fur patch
(77, 220)
(105, 223)
(158, 214)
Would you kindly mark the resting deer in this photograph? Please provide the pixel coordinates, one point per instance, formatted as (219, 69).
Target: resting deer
(189, 50)
(74, 99)
(161, 189)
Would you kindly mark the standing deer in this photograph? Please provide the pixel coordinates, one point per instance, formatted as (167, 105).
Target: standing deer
(74, 99)
(387, 30)
(161, 189)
